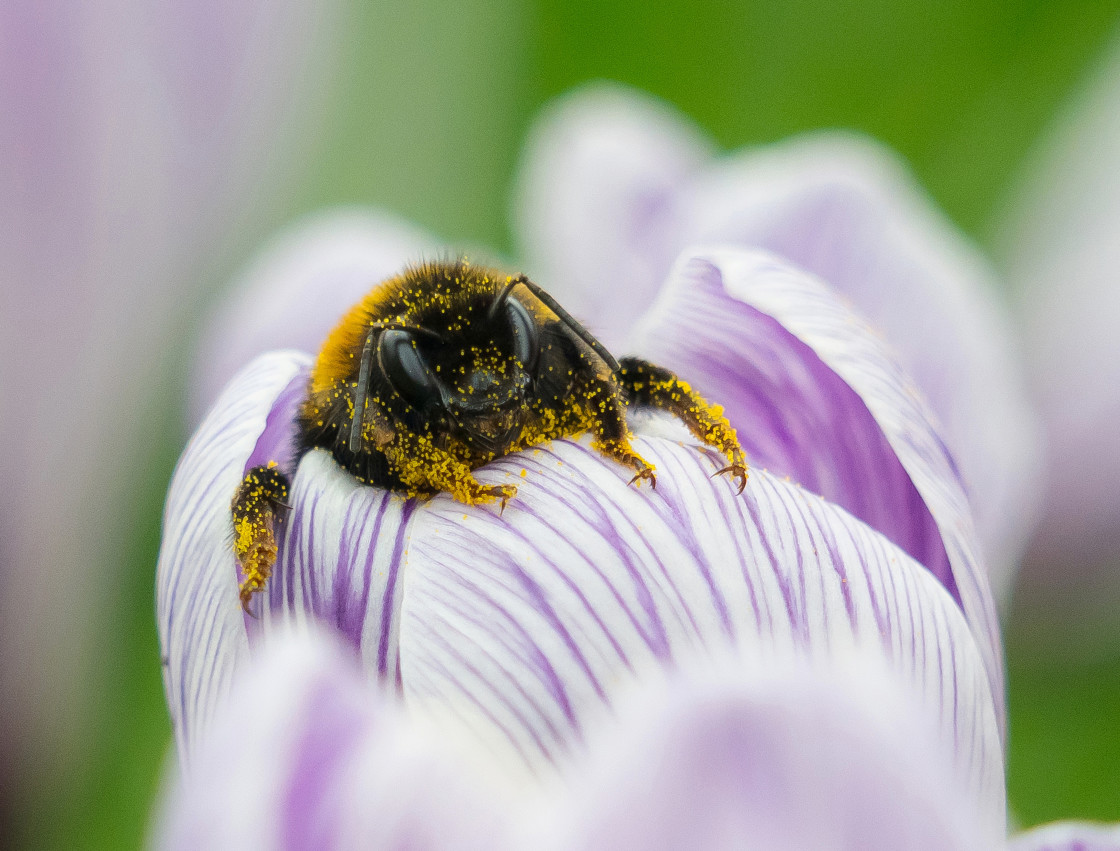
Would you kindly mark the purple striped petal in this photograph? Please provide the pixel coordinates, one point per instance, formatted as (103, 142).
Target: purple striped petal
(839, 206)
(1068, 836)
(306, 754)
(201, 626)
(846, 210)
(521, 626)
(771, 757)
(817, 397)
(300, 286)
(342, 561)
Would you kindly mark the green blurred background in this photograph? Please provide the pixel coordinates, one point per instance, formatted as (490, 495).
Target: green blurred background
(427, 107)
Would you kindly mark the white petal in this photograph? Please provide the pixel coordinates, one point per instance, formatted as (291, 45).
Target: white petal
(520, 626)
(771, 754)
(201, 625)
(599, 166)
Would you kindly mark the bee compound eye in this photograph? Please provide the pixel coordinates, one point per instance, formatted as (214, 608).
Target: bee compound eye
(407, 369)
(526, 336)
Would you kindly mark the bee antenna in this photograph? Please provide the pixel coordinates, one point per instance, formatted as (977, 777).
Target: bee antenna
(501, 299)
(566, 318)
(361, 392)
(421, 331)
(418, 330)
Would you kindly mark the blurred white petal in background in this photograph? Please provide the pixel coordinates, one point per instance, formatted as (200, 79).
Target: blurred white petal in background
(615, 183)
(1061, 247)
(133, 137)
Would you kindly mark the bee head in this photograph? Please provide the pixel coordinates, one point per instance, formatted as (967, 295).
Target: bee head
(475, 375)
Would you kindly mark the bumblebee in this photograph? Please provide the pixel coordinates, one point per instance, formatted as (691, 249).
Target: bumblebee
(446, 367)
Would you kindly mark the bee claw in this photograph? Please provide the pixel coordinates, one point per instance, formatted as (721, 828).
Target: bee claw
(245, 608)
(646, 475)
(737, 471)
(504, 494)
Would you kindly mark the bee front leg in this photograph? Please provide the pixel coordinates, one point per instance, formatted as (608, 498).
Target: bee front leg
(425, 468)
(657, 387)
(601, 407)
(258, 507)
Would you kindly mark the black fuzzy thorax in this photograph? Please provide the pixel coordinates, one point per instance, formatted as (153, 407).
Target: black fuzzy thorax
(455, 302)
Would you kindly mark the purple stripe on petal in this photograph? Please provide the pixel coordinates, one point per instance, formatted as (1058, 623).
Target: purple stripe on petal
(688, 538)
(388, 607)
(786, 357)
(606, 634)
(785, 596)
(650, 626)
(519, 640)
(795, 416)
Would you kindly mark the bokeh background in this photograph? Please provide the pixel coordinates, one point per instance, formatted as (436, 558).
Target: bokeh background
(147, 153)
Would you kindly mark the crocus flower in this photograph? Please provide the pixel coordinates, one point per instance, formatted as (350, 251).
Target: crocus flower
(517, 629)
(1062, 255)
(614, 184)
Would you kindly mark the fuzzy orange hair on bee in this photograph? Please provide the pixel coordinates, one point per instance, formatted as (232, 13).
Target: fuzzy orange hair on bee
(447, 366)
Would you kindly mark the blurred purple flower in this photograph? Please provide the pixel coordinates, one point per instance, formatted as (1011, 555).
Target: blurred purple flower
(770, 753)
(1063, 256)
(757, 751)
(130, 138)
(518, 630)
(614, 184)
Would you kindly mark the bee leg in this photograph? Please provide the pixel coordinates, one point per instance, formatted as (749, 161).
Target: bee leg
(424, 468)
(257, 508)
(607, 422)
(657, 387)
